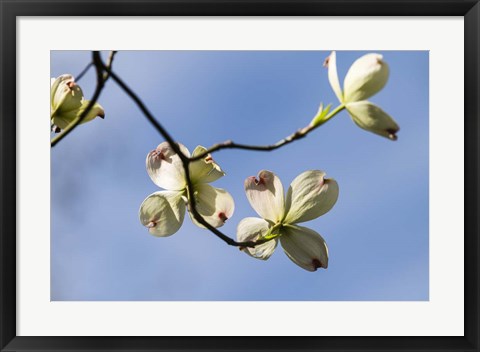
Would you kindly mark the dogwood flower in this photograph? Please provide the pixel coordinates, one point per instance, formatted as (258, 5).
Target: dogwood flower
(309, 196)
(366, 77)
(163, 212)
(67, 102)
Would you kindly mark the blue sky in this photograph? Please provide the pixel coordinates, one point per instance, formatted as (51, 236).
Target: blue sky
(377, 233)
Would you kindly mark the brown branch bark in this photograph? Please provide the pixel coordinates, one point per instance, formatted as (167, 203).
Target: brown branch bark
(262, 148)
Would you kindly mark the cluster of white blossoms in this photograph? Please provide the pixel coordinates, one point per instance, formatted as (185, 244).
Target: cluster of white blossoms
(366, 77)
(309, 196)
(67, 103)
(163, 212)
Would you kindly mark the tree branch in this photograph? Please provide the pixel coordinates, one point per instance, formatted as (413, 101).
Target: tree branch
(301, 133)
(187, 160)
(85, 70)
(112, 54)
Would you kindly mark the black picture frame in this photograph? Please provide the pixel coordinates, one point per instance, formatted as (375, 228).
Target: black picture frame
(9, 10)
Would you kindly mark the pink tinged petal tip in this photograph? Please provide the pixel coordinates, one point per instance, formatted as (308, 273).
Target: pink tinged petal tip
(327, 60)
(222, 216)
(264, 179)
(165, 167)
(316, 263)
(151, 224)
(304, 247)
(157, 155)
(265, 194)
(163, 152)
(257, 181)
(392, 134)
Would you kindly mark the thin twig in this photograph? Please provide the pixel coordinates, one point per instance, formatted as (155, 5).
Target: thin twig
(81, 74)
(109, 63)
(263, 148)
(301, 133)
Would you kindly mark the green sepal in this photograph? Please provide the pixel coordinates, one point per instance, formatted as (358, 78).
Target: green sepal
(321, 114)
(272, 233)
(271, 236)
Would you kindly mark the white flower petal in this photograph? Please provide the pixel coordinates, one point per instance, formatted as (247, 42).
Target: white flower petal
(96, 110)
(165, 167)
(61, 121)
(214, 204)
(163, 213)
(73, 100)
(251, 229)
(65, 96)
(304, 247)
(367, 76)
(372, 118)
(63, 118)
(331, 64)
(57, 95)
(266, 196)
(205, 170)
(309, 196)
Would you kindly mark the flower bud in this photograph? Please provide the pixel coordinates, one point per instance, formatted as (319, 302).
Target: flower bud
(366, 77)
(67, 102)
